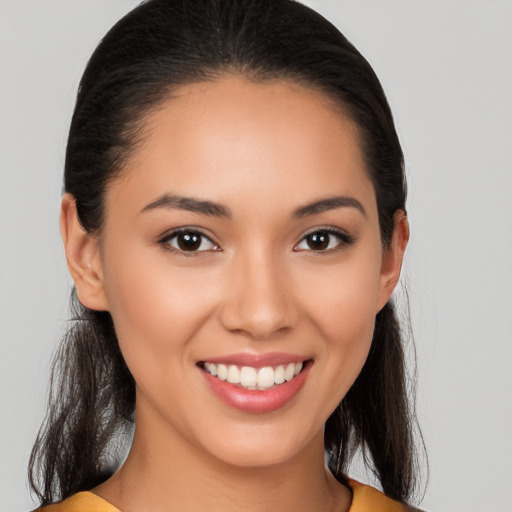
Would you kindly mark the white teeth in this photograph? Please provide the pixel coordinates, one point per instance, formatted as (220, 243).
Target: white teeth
(211, 368)
(254, 378)
(278, 375)
(265, 378)
(289, 372)
(222, 371)
(248, 376)
(233, 375)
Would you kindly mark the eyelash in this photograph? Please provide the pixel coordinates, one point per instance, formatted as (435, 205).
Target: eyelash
(345, 240)
(166, 239)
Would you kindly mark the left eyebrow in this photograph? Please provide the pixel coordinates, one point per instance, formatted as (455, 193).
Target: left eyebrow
(329, 203)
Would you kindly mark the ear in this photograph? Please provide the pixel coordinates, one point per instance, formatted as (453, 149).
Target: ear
(392, 258)
(83, 257)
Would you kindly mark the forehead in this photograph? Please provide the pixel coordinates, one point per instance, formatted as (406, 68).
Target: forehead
(237, 138)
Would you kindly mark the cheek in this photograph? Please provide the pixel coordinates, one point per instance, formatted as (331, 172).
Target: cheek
(348, 326)
(156, 307)
(344, 300)
(342, 306)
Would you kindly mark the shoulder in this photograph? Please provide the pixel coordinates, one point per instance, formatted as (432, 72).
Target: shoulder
(368, 499)
(81, 502)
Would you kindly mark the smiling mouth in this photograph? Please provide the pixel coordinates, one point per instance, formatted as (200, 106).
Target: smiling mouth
(251, 378)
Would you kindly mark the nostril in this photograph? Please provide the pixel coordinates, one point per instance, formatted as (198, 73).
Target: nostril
(258, 303)
(257, 323)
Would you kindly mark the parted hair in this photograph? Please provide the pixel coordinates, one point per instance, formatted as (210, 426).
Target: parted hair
(157, 47)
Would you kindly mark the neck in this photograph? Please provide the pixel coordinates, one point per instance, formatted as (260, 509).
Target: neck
(166, 473)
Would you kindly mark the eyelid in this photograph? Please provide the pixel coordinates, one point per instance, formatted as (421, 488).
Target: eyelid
(164, 239)
(345, 239)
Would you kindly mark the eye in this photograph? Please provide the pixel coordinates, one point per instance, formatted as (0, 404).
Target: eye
(324, 240)
(188, 240)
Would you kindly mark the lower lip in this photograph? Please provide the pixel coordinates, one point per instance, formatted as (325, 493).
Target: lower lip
(255, 401)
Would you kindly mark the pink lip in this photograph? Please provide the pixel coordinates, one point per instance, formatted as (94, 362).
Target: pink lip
(257, 360)
(255, 401)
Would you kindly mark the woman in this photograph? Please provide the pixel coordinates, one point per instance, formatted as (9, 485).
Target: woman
(234, 222)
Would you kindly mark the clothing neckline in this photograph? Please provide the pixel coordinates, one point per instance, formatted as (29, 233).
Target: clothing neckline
(364, 497)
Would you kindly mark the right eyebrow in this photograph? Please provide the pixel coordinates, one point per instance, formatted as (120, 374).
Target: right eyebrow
(190, 204)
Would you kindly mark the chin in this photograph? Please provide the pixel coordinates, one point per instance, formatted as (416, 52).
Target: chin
(261, 447)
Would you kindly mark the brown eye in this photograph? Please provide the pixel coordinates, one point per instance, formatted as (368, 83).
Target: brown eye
(318, 241)
(189, 241)
(324, 240)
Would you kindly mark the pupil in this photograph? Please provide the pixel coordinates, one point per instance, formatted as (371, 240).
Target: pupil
(318, 241)
(189, 241)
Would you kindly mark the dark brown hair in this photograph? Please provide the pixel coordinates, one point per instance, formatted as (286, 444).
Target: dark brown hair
(160, 45)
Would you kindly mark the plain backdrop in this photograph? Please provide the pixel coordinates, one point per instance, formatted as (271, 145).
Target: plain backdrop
(447, 69)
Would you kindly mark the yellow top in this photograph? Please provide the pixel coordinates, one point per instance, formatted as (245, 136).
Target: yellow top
(365, 499)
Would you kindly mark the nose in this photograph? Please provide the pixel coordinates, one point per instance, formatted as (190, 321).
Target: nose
(258, 301)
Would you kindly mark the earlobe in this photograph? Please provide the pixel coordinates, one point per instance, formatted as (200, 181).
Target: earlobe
(83, 257)
(392, 258)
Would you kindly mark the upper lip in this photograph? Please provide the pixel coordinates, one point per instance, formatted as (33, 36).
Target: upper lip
(257, 360)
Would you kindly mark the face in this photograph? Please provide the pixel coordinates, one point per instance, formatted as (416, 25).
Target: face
(242, 243)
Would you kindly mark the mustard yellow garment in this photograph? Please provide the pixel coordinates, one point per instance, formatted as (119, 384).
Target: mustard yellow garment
(365, 499)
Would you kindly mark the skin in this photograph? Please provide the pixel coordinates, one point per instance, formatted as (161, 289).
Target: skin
(262, 150)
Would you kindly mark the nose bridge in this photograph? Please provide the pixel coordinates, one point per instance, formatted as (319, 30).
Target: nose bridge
(258, 301)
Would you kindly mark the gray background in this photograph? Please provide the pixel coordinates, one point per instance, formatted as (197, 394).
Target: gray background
(447, 69)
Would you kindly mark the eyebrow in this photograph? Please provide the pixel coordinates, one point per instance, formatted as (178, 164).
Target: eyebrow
(190, 204)
(329, 203)
(217, 210)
